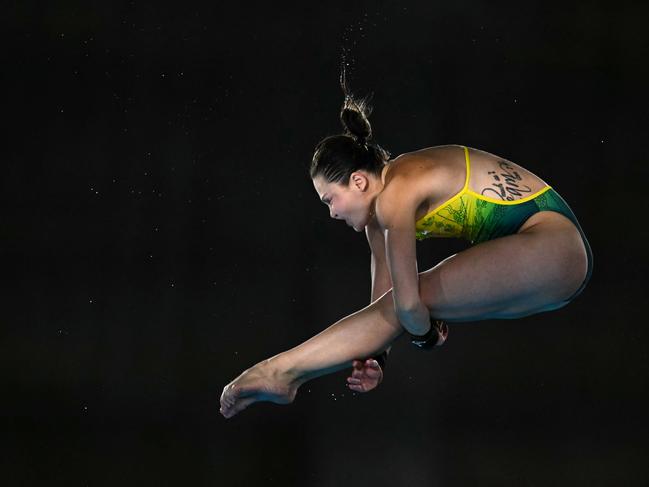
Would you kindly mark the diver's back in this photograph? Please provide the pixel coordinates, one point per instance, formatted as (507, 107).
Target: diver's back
(490, 175)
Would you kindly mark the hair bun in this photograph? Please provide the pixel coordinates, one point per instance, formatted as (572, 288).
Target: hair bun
(355, 122)
(354, 115)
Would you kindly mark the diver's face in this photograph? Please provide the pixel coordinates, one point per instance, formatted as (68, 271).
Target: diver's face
(345, 202)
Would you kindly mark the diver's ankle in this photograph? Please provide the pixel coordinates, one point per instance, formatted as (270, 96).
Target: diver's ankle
(284, 370)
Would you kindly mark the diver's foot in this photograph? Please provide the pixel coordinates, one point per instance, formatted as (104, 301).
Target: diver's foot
(262, 382)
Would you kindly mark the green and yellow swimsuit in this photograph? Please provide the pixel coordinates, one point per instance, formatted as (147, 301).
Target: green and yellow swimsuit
(478, 218)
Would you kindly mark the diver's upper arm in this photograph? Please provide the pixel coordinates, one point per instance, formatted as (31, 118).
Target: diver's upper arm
(396, 209)
(381, 282)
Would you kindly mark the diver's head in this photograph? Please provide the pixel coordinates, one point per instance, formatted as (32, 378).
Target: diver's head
(346, 168)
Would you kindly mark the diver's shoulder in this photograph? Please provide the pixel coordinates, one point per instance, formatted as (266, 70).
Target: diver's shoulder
(432, 153)
(426, 160)
(412, 176)
(434, 149)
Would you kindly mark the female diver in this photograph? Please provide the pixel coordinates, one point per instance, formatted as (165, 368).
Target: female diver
(529, 254)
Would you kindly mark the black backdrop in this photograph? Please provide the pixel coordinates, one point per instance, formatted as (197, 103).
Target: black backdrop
(160, 234)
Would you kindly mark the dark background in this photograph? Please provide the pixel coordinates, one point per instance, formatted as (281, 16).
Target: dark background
(160, 234)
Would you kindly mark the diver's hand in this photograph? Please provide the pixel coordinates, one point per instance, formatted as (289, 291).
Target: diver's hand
(365, 375)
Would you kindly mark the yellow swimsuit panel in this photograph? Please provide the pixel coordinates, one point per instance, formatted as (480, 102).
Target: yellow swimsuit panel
(467, 213)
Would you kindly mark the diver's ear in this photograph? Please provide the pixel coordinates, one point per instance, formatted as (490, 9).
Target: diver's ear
(359, 181)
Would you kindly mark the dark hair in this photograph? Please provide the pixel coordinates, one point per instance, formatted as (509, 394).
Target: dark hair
(336, 157)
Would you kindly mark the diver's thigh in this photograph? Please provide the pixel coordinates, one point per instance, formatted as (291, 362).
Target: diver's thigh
(508, 277)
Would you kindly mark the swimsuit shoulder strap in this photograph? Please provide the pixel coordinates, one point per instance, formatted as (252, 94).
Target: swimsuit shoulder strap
(468, 168)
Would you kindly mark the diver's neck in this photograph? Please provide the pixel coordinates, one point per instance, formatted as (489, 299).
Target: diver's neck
(379, 188)
(383, 173)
